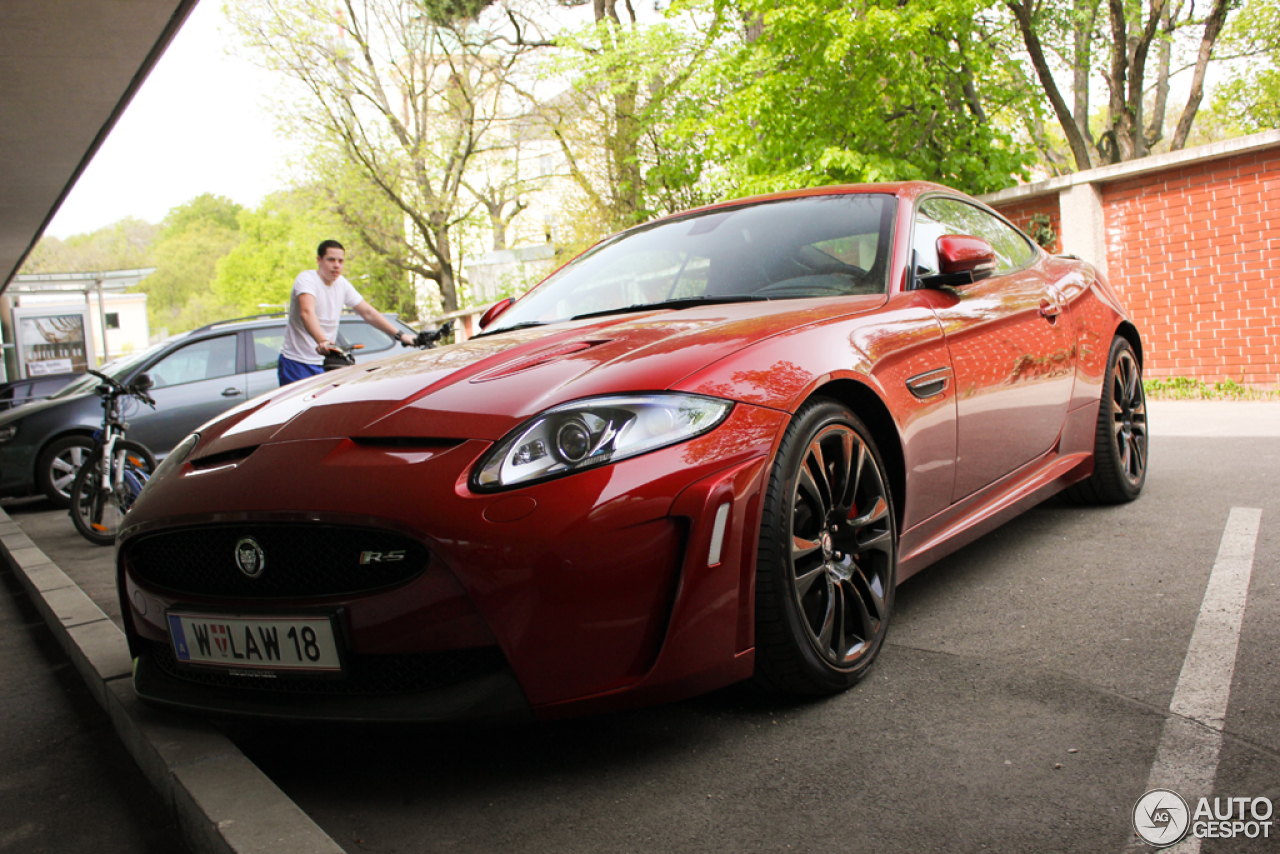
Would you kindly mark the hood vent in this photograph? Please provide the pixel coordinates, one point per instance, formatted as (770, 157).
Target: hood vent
(406, 442)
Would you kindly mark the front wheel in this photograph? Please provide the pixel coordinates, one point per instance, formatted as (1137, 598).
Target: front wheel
(827, 557)
(97, 510)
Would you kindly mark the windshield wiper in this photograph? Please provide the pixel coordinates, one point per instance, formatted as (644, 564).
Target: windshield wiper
(684, 302)
(527, 324)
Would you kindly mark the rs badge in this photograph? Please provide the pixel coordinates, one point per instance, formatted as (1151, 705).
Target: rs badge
(381, 557)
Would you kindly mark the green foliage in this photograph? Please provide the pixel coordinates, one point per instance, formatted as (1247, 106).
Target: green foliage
(123, 245)
(1248, 100)
(874, 90)
(445, 12)
(185, 262)
(278, 241)
(630, 87)
(1184, 388)
(205, 209)
(1042, 232)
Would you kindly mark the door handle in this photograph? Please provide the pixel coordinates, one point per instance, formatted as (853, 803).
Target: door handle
(1050, 309)
(231, 392)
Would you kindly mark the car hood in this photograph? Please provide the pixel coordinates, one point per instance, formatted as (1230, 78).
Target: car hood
(35, 407)
(482, 388)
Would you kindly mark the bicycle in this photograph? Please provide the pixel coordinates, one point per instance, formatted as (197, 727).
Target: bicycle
(102, 495)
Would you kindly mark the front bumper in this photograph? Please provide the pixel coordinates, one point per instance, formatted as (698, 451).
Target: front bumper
(598, 590)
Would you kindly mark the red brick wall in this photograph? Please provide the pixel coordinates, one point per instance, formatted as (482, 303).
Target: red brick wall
(1190, 252)
(1020, 214)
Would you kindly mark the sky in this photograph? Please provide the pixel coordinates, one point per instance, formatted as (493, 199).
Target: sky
(198, 124)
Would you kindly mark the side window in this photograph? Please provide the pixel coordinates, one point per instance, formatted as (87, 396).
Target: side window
(266, 347)
(924, 241)
(1011, 248)
(356, 331)
(202, 360)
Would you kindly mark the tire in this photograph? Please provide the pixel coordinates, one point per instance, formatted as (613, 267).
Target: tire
(57, 465)
(824, 581)
(97, 513)
(1120, 442)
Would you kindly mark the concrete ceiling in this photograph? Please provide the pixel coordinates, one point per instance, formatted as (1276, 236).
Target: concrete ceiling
(68, 69)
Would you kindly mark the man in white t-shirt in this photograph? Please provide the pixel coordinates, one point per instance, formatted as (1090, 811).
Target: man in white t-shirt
(315, 307)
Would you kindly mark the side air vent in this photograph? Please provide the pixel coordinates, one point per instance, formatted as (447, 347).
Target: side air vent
(225, 458)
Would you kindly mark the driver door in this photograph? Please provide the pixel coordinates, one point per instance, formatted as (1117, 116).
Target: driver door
(1011, 342)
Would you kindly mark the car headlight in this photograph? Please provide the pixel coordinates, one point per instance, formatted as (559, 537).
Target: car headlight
(180, 452)
(8, 431)
(594, 432)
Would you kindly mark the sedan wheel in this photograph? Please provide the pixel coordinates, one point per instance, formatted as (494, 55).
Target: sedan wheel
(1120, 444)
(56, 469)
(828, 553)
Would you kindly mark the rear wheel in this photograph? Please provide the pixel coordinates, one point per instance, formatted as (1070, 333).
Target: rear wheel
(1120, 442)
(97, 511)
(827, 558)
(57, 466)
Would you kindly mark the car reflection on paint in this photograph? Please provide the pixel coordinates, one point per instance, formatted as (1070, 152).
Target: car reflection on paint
(707, 450)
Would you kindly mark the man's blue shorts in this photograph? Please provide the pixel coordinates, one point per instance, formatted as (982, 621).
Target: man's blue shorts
(290, 371)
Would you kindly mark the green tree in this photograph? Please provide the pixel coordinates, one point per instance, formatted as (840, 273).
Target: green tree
(630, 85)
(411, 95)
(278, 240)
(123, 245)
(824, 91)
(193, 237)
(1248, 101)
(1134, 48)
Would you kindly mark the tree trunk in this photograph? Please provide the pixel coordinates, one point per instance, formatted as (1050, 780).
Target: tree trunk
(1075, 139)
(1212, 27)
(1086, 17)
(1155, 130)
(1118, 143)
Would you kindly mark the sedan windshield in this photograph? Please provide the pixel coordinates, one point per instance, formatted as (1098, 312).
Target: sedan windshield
(117, 369)
(819, 246)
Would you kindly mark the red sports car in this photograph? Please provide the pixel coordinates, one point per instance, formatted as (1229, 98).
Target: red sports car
(706, 450)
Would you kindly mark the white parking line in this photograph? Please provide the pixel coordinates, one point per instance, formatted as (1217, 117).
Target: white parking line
(1187, 759)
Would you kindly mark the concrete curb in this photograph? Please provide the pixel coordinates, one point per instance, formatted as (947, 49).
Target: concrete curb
(222, 802)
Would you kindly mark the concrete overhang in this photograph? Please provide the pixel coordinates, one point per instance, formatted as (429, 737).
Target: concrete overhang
(68, 69)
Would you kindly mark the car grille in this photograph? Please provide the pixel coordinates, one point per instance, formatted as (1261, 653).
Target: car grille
(297, 560)
(365, 674)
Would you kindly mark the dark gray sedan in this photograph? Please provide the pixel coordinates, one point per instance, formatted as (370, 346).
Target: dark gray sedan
(196, 375)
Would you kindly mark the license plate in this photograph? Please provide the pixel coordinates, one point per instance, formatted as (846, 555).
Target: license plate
(271, 643)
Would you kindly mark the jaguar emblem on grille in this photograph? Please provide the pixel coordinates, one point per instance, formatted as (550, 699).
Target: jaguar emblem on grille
(250, 557)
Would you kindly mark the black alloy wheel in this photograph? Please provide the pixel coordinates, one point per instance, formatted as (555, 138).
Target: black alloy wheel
(1120, 444)
(828, 555)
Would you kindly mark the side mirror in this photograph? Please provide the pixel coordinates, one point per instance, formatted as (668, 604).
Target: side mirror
(142, 382)
(495, 311)
(964, 259)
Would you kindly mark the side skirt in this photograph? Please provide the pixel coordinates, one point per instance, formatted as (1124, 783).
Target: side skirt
(1071, 460)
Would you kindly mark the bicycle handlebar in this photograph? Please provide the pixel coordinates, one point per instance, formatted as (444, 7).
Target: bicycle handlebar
(116, 389)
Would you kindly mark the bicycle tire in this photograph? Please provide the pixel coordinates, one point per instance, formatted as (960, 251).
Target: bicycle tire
(96, 513)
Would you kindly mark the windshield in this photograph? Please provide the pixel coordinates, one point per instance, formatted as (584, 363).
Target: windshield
(117, 369)
(819, 246)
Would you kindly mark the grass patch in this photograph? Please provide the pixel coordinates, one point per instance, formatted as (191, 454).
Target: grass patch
(1183, 388)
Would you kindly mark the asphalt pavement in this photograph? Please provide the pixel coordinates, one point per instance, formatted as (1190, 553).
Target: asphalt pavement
(1030, 691)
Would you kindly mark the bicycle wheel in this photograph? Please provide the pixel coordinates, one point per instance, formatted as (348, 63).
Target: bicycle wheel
(97, 511)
